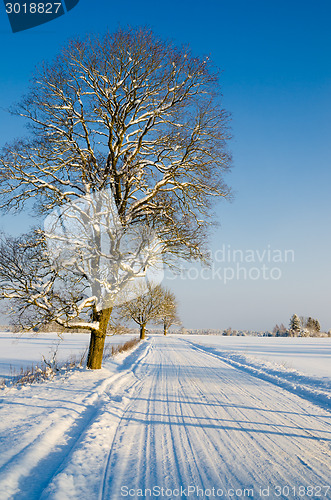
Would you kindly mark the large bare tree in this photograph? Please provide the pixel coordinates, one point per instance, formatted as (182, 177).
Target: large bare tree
(130, 115)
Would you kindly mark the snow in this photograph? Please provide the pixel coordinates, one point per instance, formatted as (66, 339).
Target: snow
(24, 350)
(313, 383)
(307, 354)
(172, 413)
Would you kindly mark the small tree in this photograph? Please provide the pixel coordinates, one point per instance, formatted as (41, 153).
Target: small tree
(275, 330)
(280, 330)
(317, 326)
(145, 308)
(295, 325)
(168, 315)
(311, 325)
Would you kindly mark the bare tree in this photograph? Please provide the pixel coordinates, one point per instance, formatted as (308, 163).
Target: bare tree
(68, 288)
(145, 308)
(280, 330)
(131, 116)
(37, 292)
(168, 315)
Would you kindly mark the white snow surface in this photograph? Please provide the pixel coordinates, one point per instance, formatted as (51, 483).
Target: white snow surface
(175, 412)
(310, 355)
(27, 349)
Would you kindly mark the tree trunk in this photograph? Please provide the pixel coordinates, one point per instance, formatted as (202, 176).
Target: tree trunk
(143, 331)
(97, 339)
(165, 329)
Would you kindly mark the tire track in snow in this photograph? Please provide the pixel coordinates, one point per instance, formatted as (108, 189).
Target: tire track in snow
(282, 470)
(203, 477)
(54, 439)
(252, 447)
(103, 494)
(209, 418)
(178, 416)
(310, 393)
(115, 394)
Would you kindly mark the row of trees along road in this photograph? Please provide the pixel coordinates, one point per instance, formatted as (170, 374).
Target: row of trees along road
(129, 115)
(158, 305)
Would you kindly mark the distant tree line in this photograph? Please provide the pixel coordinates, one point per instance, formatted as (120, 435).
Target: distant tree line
(298, 327)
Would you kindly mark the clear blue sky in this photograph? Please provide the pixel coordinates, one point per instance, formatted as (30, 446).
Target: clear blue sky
(276, 82)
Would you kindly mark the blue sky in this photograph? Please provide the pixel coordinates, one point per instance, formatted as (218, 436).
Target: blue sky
(276, 83)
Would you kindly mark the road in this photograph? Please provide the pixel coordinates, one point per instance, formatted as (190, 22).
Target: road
(178, 418)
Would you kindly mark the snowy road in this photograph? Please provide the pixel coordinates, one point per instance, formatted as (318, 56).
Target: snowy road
(172, 417)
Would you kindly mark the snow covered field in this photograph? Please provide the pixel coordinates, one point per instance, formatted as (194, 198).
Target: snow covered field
(300, 365)
(25, 350)
(311, 356)
(180, 413)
